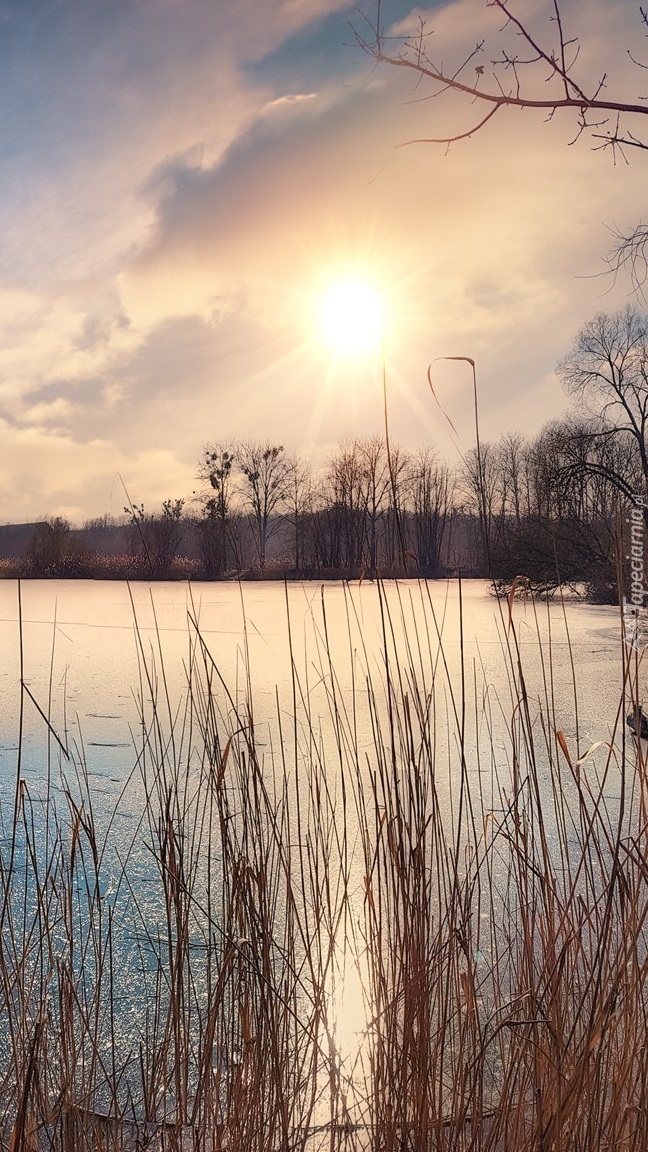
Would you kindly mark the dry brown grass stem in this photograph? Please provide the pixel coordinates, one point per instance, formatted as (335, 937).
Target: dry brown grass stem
(184, 983)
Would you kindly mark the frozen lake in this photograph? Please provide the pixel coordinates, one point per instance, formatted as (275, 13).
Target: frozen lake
(305, 667)
(84, 644)
(342, 694)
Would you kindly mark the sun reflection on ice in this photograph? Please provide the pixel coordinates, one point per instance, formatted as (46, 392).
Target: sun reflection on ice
(348, 1017)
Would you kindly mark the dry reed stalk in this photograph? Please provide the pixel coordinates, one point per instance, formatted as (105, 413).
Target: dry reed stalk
(492, 902)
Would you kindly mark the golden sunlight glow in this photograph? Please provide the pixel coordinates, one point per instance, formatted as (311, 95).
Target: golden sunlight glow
(351, 317)
(347, 1010)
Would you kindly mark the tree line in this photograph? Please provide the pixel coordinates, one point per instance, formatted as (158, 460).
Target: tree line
(552, 507)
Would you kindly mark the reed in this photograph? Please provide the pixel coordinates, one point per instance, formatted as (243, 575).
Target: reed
(187, 984)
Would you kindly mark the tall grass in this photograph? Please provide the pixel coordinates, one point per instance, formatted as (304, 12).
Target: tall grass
(188, 986)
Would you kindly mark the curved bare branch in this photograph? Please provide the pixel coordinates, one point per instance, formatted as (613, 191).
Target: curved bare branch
(509, 73)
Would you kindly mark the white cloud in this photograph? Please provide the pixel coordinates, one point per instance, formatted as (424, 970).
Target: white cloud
(50, 474)
(53, 412)
(288, 101)
(157, 276)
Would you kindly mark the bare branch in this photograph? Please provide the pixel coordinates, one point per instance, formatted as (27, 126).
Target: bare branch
(636, 62)
(630, 253)
(570, 85)
(440, 77)
(514, 79)
(453, 139)
(560, 58)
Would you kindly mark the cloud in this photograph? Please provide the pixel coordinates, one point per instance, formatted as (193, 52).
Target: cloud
(100, 96)
(488, 227)
(50, 474)
(55, 412)
(288, 101)
(165, 235)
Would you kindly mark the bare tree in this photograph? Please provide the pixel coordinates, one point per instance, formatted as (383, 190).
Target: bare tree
(552, 503)
(397, 555)
(299, 501)
(512, 460)
(607, 370)
(480, 477)
(54, 550)
(157, 536)
(430, 488)
(264, 473)
(345, 482)
(363, 495)
(376, 484)
(215, 527)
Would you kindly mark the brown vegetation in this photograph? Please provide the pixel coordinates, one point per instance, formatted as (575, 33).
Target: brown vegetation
(498, 929)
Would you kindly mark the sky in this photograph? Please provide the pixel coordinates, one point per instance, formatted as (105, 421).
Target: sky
(183, 180)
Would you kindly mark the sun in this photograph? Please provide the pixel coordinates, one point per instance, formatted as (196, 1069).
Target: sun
(351, 317)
